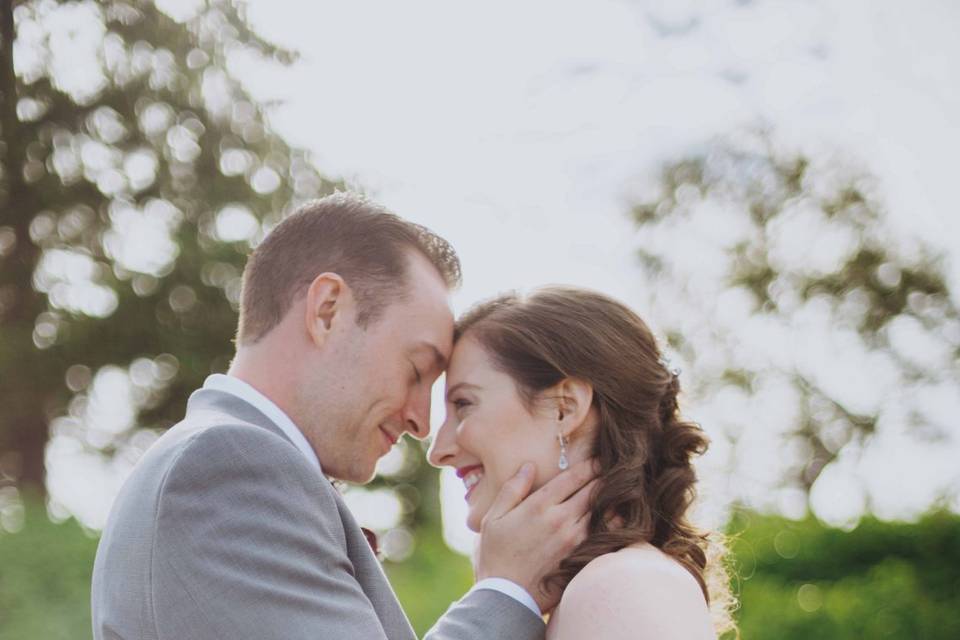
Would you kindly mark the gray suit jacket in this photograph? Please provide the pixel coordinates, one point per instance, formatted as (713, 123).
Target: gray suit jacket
(225, 530)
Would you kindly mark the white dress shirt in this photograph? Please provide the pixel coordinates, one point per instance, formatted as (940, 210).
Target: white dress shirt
(239, 388)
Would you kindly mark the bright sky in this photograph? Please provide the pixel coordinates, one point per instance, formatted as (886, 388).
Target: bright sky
(520, 131)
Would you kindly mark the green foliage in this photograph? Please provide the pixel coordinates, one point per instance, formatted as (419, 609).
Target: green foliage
(45, 572)
(800, 579)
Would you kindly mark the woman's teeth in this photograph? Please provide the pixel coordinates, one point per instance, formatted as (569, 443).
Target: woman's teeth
(471, 479)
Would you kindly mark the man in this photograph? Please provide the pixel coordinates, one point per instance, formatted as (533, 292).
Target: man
(229, 528)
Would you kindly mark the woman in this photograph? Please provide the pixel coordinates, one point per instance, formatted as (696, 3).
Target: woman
(565, 375)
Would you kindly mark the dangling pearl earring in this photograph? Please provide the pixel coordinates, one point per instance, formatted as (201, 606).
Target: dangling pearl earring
(563, 463)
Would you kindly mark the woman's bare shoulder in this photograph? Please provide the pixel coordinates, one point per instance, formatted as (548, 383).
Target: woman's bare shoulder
(636, 592)
(635, 570)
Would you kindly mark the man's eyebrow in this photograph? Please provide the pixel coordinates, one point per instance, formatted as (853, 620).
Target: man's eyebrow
(461, 385)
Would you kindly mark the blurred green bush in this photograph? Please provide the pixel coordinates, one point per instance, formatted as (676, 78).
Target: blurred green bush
(45, 571)
(801, 579)
(797, 579)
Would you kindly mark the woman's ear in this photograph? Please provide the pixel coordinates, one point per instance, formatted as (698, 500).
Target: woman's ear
(574, 399)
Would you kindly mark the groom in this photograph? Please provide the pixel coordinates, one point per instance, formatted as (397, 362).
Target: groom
(228, 527)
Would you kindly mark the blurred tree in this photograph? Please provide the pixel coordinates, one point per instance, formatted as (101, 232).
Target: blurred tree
(135, 174)
(820, 308)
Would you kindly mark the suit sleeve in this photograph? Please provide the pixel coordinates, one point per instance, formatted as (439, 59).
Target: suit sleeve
(248, 543)
(485, 613)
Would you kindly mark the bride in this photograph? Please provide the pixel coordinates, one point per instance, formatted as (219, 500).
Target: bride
(566, 375)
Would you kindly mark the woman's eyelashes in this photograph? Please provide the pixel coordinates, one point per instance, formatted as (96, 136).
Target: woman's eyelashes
(460, 404)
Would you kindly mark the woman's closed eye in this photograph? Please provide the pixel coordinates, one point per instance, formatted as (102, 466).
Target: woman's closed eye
(460, 403)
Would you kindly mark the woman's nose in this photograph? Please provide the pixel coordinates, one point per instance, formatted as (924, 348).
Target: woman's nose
(443, 449)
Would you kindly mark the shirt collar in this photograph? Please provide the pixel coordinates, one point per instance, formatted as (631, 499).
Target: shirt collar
(237, 387)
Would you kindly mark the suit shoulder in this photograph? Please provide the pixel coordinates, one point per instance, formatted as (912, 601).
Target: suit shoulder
(239, 439)
(242, 457)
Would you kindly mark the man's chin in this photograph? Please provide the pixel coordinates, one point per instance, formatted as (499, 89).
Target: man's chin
(363, 476)
(354, 474)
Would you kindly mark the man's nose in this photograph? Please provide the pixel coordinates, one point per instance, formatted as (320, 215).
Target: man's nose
(416, 415)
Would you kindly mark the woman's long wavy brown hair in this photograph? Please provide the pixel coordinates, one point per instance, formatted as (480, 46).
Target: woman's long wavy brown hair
(647, 480)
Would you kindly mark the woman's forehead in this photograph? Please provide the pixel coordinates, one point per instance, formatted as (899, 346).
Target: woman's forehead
(469, 360)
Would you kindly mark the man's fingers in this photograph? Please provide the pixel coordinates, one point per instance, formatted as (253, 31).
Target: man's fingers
(578, 513)
(578, 505)
(566, 484)
(581, 530)
(512, 492)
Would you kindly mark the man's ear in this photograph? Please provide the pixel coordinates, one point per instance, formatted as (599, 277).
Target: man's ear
(328, 300)
(574, 399)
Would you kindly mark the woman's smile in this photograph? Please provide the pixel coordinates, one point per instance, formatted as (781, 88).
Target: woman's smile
(471, 477)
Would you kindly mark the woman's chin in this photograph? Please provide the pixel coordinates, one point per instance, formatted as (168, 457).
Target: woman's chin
(474, 521)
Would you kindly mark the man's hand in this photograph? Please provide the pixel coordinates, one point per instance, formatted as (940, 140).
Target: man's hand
(522, 538)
